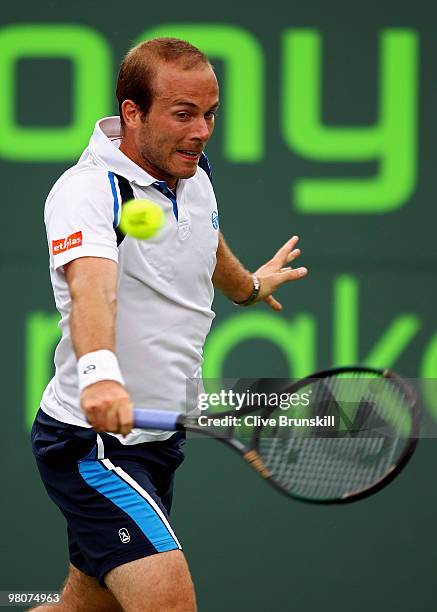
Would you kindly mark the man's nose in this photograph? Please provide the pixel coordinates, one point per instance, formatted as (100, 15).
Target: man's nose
(202, 129)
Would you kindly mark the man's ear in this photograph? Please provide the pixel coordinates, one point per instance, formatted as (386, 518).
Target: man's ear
(132, 114)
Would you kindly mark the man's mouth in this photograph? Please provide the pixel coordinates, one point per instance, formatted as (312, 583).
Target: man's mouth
(194, 155)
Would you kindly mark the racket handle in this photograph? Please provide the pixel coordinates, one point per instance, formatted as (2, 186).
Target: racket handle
(156, 419)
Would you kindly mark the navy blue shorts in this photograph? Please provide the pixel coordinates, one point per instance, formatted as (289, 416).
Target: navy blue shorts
(116, 498)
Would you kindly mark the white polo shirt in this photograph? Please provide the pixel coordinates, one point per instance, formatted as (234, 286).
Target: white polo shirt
(165, 290)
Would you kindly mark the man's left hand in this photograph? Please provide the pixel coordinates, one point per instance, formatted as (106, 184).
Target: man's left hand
(276, 272)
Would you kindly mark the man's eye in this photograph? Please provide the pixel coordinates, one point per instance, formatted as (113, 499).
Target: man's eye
(182, 115)
(210, 114)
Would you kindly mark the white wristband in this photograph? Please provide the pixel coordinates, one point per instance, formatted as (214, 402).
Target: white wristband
(96, 366)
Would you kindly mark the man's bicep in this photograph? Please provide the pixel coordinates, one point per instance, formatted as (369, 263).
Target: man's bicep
(87, 276)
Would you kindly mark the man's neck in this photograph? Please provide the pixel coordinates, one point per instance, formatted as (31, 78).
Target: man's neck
(132, 153)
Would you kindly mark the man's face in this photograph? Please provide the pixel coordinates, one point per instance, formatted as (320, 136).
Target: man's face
(180, 121)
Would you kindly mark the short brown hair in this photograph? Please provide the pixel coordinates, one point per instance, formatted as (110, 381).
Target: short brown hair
(138, 68)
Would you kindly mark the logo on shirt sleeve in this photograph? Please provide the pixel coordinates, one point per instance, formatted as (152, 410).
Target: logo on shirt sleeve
(64, 244)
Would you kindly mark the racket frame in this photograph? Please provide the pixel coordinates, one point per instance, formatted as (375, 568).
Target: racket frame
(251, 455)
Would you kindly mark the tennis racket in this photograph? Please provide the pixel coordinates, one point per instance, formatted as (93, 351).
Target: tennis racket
(353, 435)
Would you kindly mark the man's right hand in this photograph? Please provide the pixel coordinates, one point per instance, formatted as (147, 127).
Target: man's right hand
(108, 407)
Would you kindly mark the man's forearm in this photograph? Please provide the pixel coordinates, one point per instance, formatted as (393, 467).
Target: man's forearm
(92, 282)
(230, 276)
(93, 289)
(92, 324)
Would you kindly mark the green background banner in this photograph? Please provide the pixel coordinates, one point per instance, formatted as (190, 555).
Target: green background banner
(326, 130)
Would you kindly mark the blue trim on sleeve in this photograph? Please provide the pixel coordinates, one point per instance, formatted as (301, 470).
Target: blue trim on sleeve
(130, 501)
(115, 196)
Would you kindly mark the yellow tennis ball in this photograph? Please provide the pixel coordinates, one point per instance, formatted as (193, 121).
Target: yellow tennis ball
(141, 219)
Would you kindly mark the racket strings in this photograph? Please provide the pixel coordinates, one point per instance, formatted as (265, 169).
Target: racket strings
(372, 418)
(326, 467)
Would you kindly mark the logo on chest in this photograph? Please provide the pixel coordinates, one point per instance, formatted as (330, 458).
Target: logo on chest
(215, 220)
(183, 230)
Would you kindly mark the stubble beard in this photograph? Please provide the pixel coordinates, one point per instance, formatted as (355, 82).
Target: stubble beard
(156, 164)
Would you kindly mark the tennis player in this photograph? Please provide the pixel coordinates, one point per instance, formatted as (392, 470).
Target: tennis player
(134, 318)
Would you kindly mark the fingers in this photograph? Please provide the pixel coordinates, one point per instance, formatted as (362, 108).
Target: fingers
(275, 272)
(273, 303)
(125, 418)
(119, 417)
(282, 254)
(116, 418)
(289, 274)
(293, 255)
(108, 407)
(286, 254)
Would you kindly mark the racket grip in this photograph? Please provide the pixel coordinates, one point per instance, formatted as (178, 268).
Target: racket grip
(156, 419)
